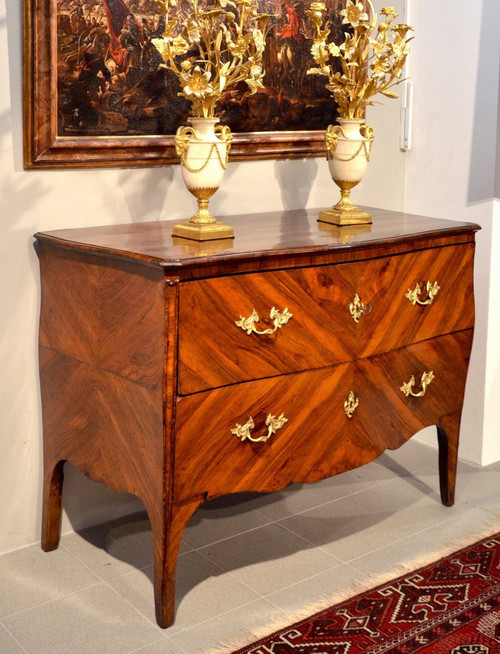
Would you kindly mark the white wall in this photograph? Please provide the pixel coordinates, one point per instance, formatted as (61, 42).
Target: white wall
(450, 171)
(46, 200)
(497, 172)
(491, 430)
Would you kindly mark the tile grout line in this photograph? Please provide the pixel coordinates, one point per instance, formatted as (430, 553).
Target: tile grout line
(378, 549)
(51, 601)
(13, 637)
(144, 617)
(472, 536)
(271, 521)
(344, 497)
(317, 506)
(157, 642)
(165, 635)
(130, 572)
(100, 582)
(221, 615)
(318, 574)
(222, 540)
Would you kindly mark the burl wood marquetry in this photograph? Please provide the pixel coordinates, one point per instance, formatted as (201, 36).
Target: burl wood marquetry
(150, 387)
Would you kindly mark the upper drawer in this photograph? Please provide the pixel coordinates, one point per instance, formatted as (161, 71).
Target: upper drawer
(322, 330)
(414, 297)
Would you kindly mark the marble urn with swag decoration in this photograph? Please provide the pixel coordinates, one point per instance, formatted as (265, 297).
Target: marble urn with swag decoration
(210, 47)
(369, 61)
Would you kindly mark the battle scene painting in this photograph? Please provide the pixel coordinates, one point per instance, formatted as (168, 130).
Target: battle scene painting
(109, 82)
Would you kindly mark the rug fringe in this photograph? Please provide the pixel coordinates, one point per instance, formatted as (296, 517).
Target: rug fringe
(350, 591)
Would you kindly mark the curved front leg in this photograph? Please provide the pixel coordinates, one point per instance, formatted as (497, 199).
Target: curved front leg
(167, 534)
(52, 505)
(448, 430)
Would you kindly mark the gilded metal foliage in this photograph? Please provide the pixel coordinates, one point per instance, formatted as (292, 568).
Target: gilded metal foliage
(212, 47)
(369, 61)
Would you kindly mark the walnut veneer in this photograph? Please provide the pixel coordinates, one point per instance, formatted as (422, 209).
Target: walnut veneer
(144, 372)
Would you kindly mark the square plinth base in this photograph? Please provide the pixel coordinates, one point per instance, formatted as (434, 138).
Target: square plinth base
(338, 217)
(203, 231)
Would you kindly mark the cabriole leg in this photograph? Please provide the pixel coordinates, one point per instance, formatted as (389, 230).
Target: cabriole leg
(52, 506)
(448, 431)
(167, 535)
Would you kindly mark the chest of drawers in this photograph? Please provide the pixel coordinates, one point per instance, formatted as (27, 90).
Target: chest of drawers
(181, 371)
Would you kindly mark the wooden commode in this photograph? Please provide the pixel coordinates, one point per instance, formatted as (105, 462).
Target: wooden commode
(180, 371)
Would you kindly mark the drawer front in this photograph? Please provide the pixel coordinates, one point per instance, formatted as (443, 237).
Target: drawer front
(214, 351)
(324, 328)
(401, 392)
(311, 437)
(399, 314)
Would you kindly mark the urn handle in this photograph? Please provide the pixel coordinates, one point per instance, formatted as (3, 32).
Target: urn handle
(244, 432)
(279, 319)
(336, 132)
(186, 135)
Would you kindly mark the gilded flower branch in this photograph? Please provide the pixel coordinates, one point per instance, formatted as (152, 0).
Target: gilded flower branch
(369, 61)
(211, 48)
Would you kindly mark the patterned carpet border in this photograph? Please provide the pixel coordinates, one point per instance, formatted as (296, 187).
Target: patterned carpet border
(448, 606)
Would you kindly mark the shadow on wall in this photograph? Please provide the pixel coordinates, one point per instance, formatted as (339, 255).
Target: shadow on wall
(86, 502)
(19, 191)
(145, 191)
(20, 195)
(485, 140)
(295, 189)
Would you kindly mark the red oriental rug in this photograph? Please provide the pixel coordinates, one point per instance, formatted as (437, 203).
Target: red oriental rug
(451, 606)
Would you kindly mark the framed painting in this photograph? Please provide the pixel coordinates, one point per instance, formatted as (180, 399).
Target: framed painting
(94, 94)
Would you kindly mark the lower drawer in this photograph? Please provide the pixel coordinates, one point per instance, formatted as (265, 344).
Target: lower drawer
(265, 434)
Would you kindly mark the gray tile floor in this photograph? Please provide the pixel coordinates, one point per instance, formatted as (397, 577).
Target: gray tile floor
(246, 562)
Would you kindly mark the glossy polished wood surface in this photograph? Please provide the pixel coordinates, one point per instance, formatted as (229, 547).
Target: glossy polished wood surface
(264, 241)
(144, 373)
(321, 331)
(340, 443)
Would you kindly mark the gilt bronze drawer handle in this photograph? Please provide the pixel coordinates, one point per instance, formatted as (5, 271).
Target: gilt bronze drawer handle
(272, 424)
(425, 380)
(351, 404)
(358, 309)
(279, 319)
(413, 296)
